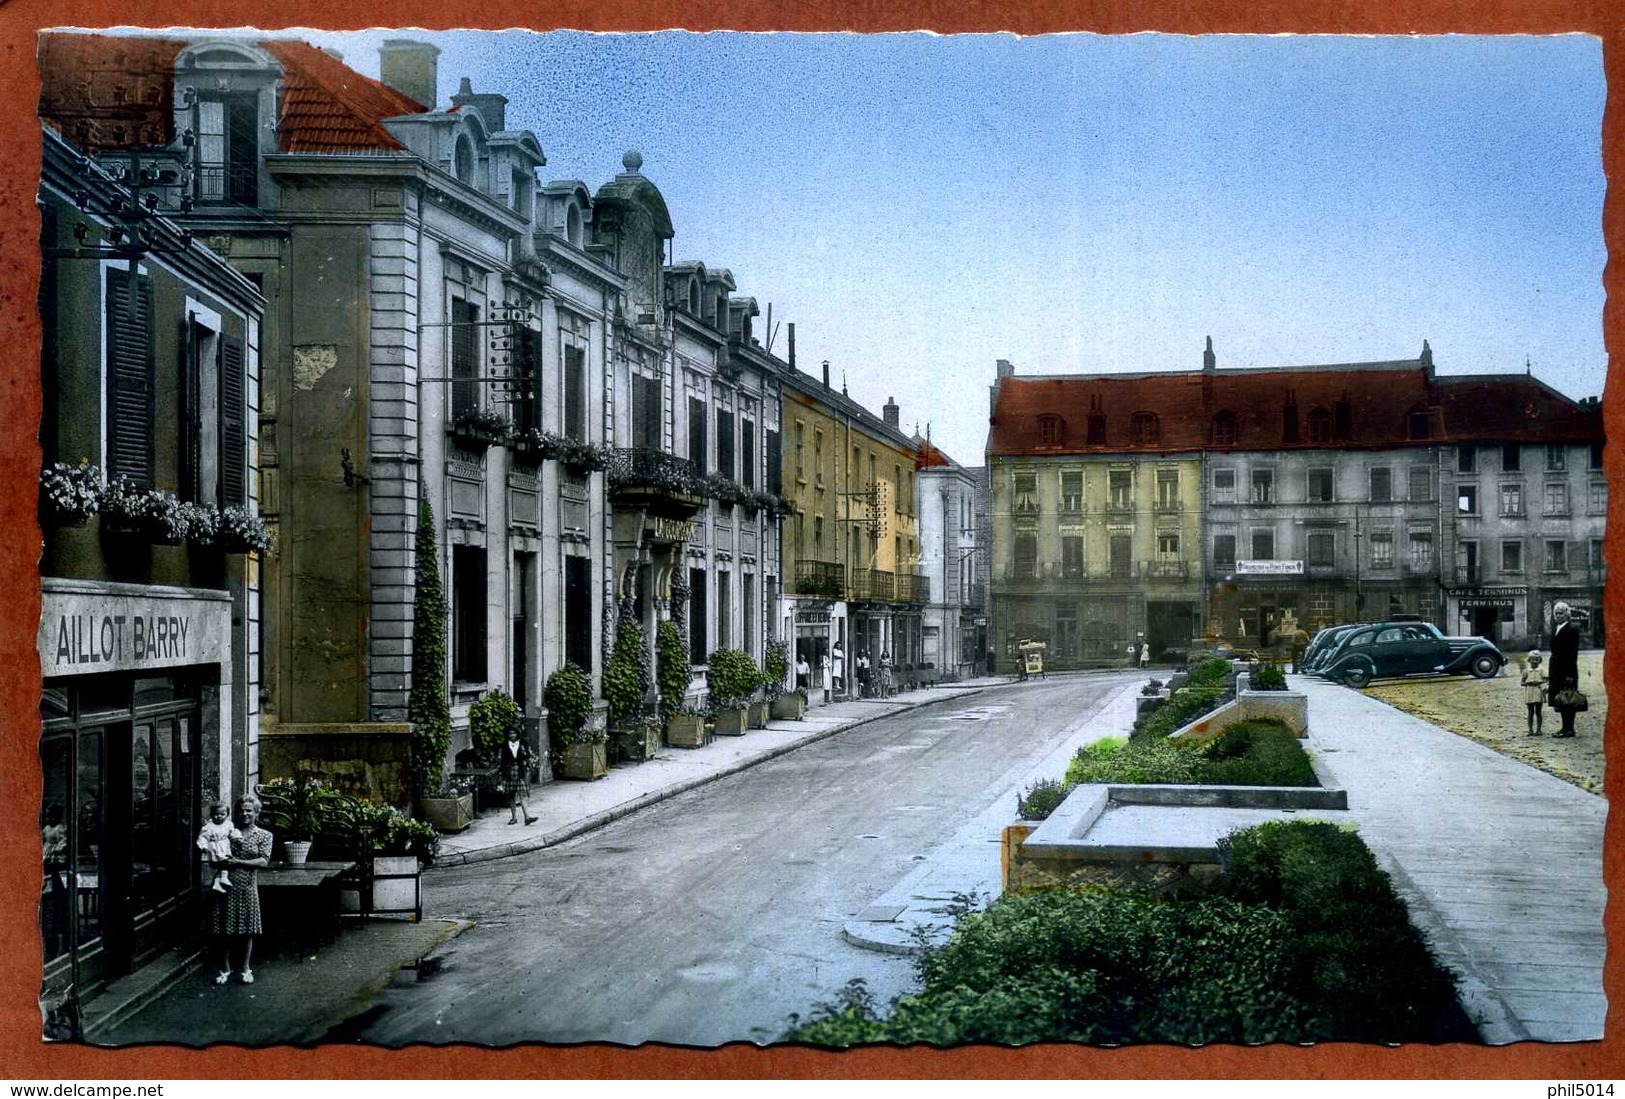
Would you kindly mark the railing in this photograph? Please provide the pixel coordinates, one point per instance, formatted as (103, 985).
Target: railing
(913, 589)
(820, 578)
(874, 584)
(1167, 570)
(648, 468)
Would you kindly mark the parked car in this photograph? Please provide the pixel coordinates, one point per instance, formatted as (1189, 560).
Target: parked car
(1403, 648)
(1321, 646)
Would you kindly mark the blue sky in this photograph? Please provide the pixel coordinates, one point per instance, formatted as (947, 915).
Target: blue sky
(922, 205)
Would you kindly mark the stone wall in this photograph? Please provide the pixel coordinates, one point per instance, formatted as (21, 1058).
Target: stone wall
(367, 760)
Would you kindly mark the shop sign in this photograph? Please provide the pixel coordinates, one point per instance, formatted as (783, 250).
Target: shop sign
(1269, 568)
(1469, 598)
(83, 633)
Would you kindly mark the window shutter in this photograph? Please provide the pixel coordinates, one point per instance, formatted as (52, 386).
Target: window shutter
(189, 452)
(775, 480)
(233, 423)
(575, 399)
(129, 378)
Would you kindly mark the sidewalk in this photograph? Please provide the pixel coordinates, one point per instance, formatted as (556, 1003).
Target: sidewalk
(565, 810)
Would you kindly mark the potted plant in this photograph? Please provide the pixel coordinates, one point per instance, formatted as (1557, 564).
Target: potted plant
(478, 428)
(451, 808)
(70, 495)
(626, 679)
(686, 727)
(732, 676)
(671, 678)
(528, 446)
(296, 809)
(391, 847)
(150, 514)
(756, 710)
(783, 704)
(580, 751)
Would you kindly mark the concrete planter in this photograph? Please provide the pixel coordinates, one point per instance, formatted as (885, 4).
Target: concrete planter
(685, 731)
(1291, 707)
(448, 814)
(586, 762)
(636, 744)
(756, 715)
(731, 721)
(789, 707)
(1146, 705)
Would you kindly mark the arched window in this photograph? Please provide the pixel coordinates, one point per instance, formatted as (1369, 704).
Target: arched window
(1224, 428)
(1051, 430)
(572, 224)
(462, 161)
(1320, 425)
(1143, 427)
(694, 296)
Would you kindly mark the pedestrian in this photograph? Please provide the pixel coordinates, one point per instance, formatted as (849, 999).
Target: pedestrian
(1563, 672)
(838, 668)
(515, 760)
(803, 671)
(235, 915)
(214, 840)
(887, 686)
(1534, 690)
(865, 686)
(1145, 654)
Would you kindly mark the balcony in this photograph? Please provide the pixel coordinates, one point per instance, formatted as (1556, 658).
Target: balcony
(1167, 570)
(874, 585)
(662, 484)
(913, 589)
(824, 578)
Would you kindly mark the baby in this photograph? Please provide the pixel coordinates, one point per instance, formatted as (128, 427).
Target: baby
(215, 841)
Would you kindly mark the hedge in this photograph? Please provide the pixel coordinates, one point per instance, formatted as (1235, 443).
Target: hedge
(1258, 752)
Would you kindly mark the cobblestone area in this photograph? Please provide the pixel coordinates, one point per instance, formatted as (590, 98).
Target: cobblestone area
(1492, 712)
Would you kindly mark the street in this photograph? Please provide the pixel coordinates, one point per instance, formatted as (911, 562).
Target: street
(712, 917)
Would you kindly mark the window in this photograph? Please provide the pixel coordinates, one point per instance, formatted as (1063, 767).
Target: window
(1557, 456)
(747, 441)
(1557, 558)
(725, 442)
(1072, 492)
(578, 616)
(724, 610)
(697, 441)
(1320, 426)
(1512, 557)
(1224, 429)
(527, 381)
(1144, 429)
(1120, 483)
(1321, 546)
(1224, 551)
(1382, 549)
(1467, 561)
(1072, 556)
(1416, 423)
(1263, 545)
(1467, 499)
(1168, 545)
(1421, 550)
(228, 149)
(1597, 563)
(775, 478)
(468, 614)
(1224, 486)
(1026, 488)
(1421, 484)
(575, 392)
(1026, 556)
(1320, 486)
(465, 366)
(646, 412)
(572, 225)
(801, 450)
(1167, 488)
(1263, 486)
(818, 536)
(1596, 456)
(1097, 429)
(897, 489)
(1512, 500)
(1596, 498)
(1466, 459)
(463, 160)
(747, 609)
(1122, 560)
(1051, 429)
(698, 651)
(1382, 485)
(1557, 498)
(1511, 458)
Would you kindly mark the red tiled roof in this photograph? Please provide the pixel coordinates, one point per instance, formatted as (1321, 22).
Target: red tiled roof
(328, 107)
(1366, 406)
(929, 457)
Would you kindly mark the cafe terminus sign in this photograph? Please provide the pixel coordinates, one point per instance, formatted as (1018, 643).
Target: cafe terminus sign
(90, 628)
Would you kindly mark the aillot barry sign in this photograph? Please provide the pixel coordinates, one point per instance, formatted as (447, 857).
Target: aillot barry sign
(92, 628)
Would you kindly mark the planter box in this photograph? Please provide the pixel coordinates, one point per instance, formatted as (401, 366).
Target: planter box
(790, 707)
(395, 882)
(448, 814)
(686, 731)
(731, 722)
(756, 715)
(586, 762)
(1146, 705)
(637, 744)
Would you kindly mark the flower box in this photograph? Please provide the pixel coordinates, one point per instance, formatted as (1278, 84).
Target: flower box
(756, 715)
(586, 761)
(789, 707)
(730, 721)
(686, 731)
(478, 429)
(448, 814)
(635, 744)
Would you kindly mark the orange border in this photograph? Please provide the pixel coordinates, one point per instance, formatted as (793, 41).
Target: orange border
(23, 1056)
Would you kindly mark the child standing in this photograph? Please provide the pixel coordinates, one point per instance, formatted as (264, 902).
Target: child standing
(1534, 690)
(215, 841)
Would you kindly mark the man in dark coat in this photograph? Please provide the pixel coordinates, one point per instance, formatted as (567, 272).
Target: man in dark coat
(1564, 667)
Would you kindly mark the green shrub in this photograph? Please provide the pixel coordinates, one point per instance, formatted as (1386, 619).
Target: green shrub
(568, 697)
(671, 667)
(625, 675)
(1138, 761)
(1270, 677)
(1208, 671)
(1258, 752)
(775, 667)
(1041, 799)
(1183, 706)
(733, 677)
(426, 703)
(489, 720)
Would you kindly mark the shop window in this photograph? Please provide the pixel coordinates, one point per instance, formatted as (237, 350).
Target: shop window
(468, 614)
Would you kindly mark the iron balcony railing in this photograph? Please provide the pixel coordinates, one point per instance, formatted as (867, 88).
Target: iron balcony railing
(874, 584)
(824, 578)
(912, 588)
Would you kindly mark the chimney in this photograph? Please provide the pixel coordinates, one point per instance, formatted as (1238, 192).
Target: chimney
(410, 68)
(826, 373)
(493, 107)
(792, 327)
(1209, 362)
(1427, 355)
(1004, 369)
(889, 410)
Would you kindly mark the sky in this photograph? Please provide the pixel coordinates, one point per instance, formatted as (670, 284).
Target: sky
(920, 205)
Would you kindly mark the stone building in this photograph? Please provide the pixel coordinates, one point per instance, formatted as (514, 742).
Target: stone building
(954, 638)
(148, 638)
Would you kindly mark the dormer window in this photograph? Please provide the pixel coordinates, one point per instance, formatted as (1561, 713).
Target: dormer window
(572, 225)
(462, 160)
(228, 149)
(1416, 423)
(1144, 428)
(1050, 430)
(1320, 426)
(1224, 429)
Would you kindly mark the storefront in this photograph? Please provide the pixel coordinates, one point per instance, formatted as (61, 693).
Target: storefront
(137, 688)
(1497, 614)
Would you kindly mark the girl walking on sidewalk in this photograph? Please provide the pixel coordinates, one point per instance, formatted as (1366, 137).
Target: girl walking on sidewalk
(516, 761)
(1534, 690)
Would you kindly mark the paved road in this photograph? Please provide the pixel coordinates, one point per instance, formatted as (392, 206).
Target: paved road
(712, 917)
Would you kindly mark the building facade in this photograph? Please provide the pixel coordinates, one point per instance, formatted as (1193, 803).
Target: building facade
(954, 638)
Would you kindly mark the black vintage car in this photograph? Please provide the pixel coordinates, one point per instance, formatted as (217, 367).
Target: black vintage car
(1385, 649)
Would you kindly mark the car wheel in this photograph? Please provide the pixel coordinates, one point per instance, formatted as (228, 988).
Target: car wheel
(1485, 666)
(1357, 677)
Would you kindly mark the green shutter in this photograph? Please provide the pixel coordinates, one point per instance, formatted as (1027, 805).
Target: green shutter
(129, 378)
(233, 423)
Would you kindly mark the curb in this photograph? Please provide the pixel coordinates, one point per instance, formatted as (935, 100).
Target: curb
(654, 797)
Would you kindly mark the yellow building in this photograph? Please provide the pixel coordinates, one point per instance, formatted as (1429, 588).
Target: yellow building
(851, 547)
